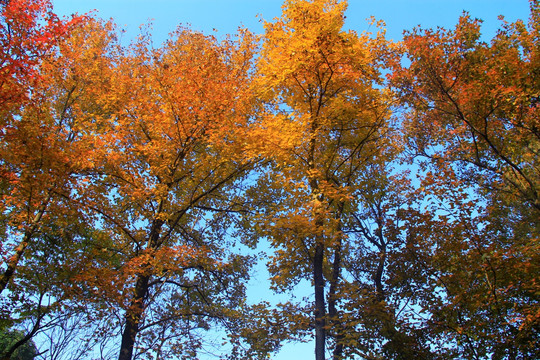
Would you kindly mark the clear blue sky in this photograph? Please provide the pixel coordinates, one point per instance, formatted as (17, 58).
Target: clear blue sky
(227, 15)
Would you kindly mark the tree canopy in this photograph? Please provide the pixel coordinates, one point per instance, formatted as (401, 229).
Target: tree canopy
(398, 181)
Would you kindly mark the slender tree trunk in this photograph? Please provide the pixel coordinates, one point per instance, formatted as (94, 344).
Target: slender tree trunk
(14, 261)
(336, 325)
(137, 306)
(320, 306)
(318, 258)
(133, 317)
(332, 303)
(19, 250)
(377, 277)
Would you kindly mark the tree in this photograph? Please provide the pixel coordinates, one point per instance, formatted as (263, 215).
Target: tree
(473, 122)
(327, 120)
(41, 156)
(162, 189)
(29, 30)
(138, 195)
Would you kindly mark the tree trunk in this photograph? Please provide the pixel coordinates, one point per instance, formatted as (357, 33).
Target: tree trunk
(19, 250)
(320, 306)
(133, 317)
(14, 261)
(336, 325)
(318, 258)
(332, 304)
(137, 306)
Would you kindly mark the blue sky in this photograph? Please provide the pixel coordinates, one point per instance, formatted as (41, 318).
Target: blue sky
(227, 15)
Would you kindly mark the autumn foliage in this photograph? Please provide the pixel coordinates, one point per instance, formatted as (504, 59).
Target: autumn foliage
(397, 181)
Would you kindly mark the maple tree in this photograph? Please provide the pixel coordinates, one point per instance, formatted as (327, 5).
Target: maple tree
(473, 123)
(107, 165)
(41, 160)
(326, 121)
(29, 30)
(161, 190)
